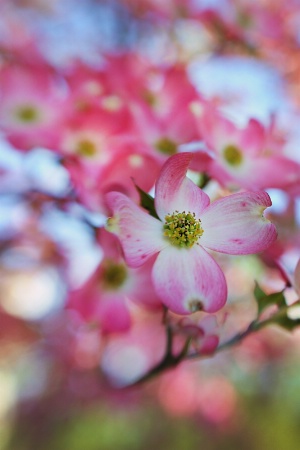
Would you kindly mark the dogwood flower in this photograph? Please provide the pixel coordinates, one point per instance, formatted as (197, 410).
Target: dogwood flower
(252, 157)
(185, 275)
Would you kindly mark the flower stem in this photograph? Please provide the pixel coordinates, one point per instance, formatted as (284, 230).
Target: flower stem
(169, 360)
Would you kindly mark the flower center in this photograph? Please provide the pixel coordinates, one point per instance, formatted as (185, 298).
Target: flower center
(114, 275)
(87, 148)
(183, 229)
(27, 114)
(166, 146)
(150, 98)
(233, 155)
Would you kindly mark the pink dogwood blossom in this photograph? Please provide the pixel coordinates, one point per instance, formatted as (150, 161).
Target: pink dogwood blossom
(185, 275)
(250, 158)
(105, 298)
(32, 105)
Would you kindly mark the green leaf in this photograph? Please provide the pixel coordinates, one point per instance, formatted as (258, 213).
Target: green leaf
(286, 322)
(277, 298)
(263, 300)
(259, 294)
(204, 180)
(147, 201)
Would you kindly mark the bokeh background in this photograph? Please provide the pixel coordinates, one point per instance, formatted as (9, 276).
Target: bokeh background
(242, 57)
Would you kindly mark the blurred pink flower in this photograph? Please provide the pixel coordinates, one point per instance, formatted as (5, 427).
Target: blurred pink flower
(105, 298)
(251, 157)
(33, 103)
(204, 333)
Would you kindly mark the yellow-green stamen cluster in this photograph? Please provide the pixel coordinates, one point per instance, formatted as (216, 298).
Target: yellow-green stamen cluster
(233, 155)
(86, 148)
(114, 275)
(27, 114)
(183, 229)
(166, 146)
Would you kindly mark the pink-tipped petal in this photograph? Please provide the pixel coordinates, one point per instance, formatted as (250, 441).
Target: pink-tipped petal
(188, 280)
(140, 288)
(252, 138)
(113, 314)
(208, 345)
(275, 171)
(174, 191)
(141, 235)
(236, 224)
